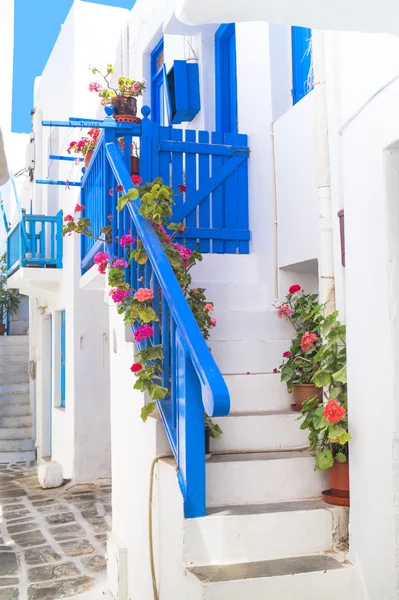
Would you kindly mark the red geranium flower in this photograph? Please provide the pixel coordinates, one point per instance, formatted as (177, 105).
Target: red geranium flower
(307, 340)
(136, 367)
(136, 179)
(78, 208)
(287, 354)
(111, 192)
(68, 219)
(182, 188)
(119, 188)
(294, 288)
(333, 411)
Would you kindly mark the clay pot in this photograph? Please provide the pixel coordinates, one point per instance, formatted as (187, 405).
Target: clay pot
(87, 158)
(338, 479)
(124, 106)
(301, 392)
(134, 165)
(2, 329)
(208, 452)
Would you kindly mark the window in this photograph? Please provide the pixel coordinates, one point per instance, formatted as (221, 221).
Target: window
(302, 72)
(157, 85)
(226, 79)
(62, 358)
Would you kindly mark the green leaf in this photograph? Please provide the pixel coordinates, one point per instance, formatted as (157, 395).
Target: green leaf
(334, 393)
(321, 378)
(286, 373)
(340, 375)
(324, 459)
(140, 256)
(147, 314)
(340, 457)
(157, 392)
(151, 353)
(147, 410)
(123, 200)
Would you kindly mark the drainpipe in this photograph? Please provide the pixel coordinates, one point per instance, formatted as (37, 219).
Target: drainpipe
(326, 257)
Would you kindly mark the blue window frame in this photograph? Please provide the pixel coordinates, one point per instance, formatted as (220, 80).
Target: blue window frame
(62, 359)
(157, 84)
(302, 77)
(226, 79)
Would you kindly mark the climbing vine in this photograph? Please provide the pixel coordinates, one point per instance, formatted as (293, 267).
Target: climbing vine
(135, 305)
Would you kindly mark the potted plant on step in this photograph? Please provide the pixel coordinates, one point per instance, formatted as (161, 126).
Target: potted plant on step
(123, 98)
(299, 365)
(327, 422)
(134, 156)
(85, 146)
(9, 298)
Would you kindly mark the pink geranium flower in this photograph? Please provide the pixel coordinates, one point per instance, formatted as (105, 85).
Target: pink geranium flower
(143, 332)
(208, 307)
(213, 322)
(68, 219)
(127, 240)
(307, 340)
(284, 310)
(143, 294)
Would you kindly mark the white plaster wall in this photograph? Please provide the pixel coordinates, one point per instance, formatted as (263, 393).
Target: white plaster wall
(368, 170)
(296, 184)
(81, 431)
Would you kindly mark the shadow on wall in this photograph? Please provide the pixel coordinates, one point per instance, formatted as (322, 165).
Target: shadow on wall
(19, 323)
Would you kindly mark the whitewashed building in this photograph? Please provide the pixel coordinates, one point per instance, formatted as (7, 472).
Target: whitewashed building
(320, 117)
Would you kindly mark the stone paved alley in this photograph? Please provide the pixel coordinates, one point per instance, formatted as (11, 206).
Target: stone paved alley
(52, 542)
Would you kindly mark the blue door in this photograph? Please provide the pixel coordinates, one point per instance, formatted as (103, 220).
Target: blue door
(63, 359)
(302, 79)
(157, 85)
(226, 79)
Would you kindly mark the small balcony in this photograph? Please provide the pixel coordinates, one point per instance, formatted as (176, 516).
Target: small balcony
(34, 254)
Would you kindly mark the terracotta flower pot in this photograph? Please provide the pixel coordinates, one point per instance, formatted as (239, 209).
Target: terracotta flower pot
(87, 158)
(125, 108)
(134, 165)
(301, 392)
(2, 329)
(338, 479)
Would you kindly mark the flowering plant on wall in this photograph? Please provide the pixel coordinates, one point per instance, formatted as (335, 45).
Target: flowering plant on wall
(86, 144)
(126, 86)
(305, 315)
(137, 305)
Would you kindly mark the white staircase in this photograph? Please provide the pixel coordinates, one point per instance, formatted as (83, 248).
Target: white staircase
(266, 535)
(16, 424)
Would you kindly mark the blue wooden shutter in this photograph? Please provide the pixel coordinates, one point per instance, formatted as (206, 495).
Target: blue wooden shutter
(157, 84)
(226, 79)
(302, 79)
(63, 359)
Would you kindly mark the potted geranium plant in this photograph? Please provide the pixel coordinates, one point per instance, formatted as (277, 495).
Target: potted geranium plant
(123, 98)
(328, 422)
(134, 156)
(299, 365)
(9, 298)
(85, 146)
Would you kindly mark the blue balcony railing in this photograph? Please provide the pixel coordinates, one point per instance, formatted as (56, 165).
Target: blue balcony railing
(35, 241)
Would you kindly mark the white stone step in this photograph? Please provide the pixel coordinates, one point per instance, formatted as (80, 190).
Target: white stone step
(13, 368)
(12, 359)
(262, 477)
(257, 392)
(235, 296)
(298, 578)
(257, 532)
(15, 433)
(7, 349)
(13, 388)
(8, 378)
(250, 325)
(14, 340)
(27, 456)
(16, 446)
(15, 410)
(259, 432)
(247, 356)
(15, 421)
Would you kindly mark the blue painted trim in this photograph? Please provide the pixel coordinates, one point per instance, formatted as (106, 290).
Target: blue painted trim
(301, 62)
(157, 82)
(62, 359)
(64, 183)
(110, 123)
(69, 158)
(226, 79)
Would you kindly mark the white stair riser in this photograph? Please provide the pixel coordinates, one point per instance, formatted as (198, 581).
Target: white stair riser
(259, 433)
(257, 392)
(249, 325)
(13, 368)
(16, 446)
(235, 296)
(14, 350)
(252, 357)
(221, 540)
(15, 433)
(13, 388)
(255, 481)
(226, 268)
(14, 340)
(15, 410)
(13, 457)
(14, 378)
(14, 359)
(329, 585)
(13, 421)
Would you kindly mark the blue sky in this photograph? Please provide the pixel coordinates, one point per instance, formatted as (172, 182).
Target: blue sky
(37, 25)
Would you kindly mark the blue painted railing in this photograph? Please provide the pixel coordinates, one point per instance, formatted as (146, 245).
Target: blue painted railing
(35, 240)
(190, 373)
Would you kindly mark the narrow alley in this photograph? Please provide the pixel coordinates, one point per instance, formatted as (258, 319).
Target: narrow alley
(52, 542)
